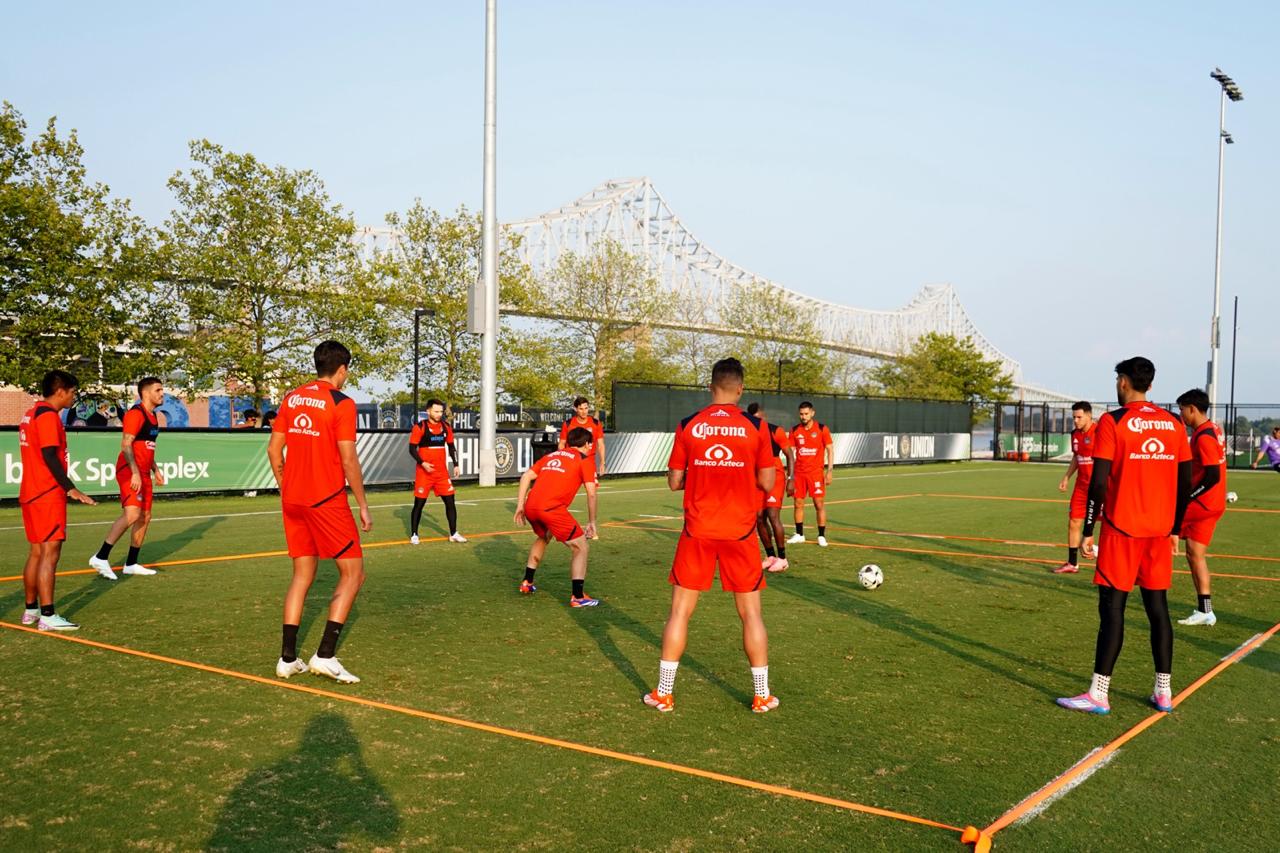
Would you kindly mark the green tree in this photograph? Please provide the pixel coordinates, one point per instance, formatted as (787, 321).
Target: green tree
(76, 267)
(942, 367)
(537, 367)
(263, 267)
(777, 328)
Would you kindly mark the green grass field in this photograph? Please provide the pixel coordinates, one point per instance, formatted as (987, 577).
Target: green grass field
(931, 696)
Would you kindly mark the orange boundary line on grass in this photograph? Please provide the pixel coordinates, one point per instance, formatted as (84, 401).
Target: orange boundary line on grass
(1108, 749)
(499, 730)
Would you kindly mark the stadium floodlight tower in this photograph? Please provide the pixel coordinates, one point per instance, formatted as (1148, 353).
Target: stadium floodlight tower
(489, 256)
(1232, 91)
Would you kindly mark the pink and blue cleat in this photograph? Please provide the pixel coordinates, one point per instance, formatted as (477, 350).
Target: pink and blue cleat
(1162, 703)
(1086, 703)
(585, 601)
(527, 588)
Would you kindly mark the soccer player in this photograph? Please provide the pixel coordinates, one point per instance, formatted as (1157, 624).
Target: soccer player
(1082, 466)
(134, 469)
(769, 522)
(723, 459)
(546, 490)
(428, 441)
(1271, 449)
(1208, 497)
(313, 456)
(1140, 488)
(582, 418)
(815, 463)
(43, 493)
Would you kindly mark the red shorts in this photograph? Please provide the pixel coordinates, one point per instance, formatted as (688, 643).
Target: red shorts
(128, 497)
(45, 519)
(1124, 560)
(437, 481)
(554, 522)
(1198, 525)
(328, 531)
(773, 498)
(1079, 501)
(810, 484)
(696, 559)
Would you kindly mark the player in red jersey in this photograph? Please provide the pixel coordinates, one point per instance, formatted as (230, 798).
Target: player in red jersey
(723, 459)
(546, 491)
(43, 493)
(1208, 497)
(769, 523)
(582, 419)
(134, 469)
(815, 465)
(1082, 466)
(1140, 488)
(313, 456)
(428, 442)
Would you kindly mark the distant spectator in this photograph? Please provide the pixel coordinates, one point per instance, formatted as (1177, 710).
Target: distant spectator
(267, 419)
(1270, 449)
(250, 419)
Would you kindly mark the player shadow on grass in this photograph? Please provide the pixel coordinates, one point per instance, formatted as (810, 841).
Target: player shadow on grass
(429, 524)
(159, 549)
(322, 796)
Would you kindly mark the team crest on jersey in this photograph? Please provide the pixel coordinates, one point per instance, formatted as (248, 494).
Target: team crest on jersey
(302, 424)
(554, 464)
(718, 456)
(1152, 448)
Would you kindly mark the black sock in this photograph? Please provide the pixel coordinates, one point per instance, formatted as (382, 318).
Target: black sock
(33, 605)
(1203, 604)
(528, 573)
(1073, 556)
(799, 528)
(133, 555)
(577, 589)
(104, 553)
(822, 530)
(47, 610)
(415, 515)
(451, 513)
(769, 552)
(329, 639)
(289, 644)
(782, 552)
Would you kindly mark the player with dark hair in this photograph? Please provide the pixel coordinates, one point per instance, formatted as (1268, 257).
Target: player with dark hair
(722, 459)
(313, 456)
(1140, 488)
(1271, 449)
(428, 442)
(43, 494)
(583, 419)
(135, 467)
(769, 524)
(815, 460)
(1208, 497)
(1082, 466)
(546, 491)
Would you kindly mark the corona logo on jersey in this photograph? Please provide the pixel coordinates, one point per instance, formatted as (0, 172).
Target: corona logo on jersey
(719, 456)
(302, 423)
(702, 430)
(1152, 448)
(1143, 425)
(296, 401)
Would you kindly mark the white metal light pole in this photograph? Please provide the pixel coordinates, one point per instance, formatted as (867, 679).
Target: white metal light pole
(1232, 91)
(489, 256)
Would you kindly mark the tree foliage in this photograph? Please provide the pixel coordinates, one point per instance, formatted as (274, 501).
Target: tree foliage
(942, 367)
(765, 315)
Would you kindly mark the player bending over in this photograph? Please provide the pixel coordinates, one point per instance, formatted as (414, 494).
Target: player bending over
(722, 459)
(769, 522)
(815, 463)
(428, 442)
(135, 468)
(313, 456)
(546, 491)
(1082, 466)
(1140, 487)
(1208, 497)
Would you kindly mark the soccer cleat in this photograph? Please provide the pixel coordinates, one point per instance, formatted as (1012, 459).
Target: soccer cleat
(768, 563)
(663, 702)
(457, 537)
(779, 565)
(288, 670)
(56, 623)
(137, 569)
(595, 536)
(102, 567)
(1066, 569)
(1199, 618)
(527, 588)
(822, 541)
(762, 704)
(796, 538)
(1084, 702)
(1161, 703)
(413, 540)
(331, 668)
(585, 601)
(30, 617)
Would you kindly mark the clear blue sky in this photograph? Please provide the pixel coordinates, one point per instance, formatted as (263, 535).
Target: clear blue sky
(1055, 162)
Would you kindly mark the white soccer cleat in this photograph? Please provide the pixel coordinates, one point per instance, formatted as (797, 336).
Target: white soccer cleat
(102, 567)
(779, 565)
(822, 541)
(288, 670)
(30, 617)
(413, 540)
(795, 539)
(457, 537)
(331, 668)
(56, 623)
(137, 569)
(1199, 618)
(767, 563)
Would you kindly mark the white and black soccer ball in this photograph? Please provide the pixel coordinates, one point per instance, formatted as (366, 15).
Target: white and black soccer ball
(1232, 497)
(870, 576)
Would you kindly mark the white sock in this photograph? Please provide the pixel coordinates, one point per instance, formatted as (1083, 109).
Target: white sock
(1098, 689)
(1164, 683)
(760, 679)
(667, 676)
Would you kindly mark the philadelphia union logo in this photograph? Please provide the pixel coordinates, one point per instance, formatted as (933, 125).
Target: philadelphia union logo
(505, 455)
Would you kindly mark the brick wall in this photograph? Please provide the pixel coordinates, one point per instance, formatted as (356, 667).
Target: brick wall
(13, 405)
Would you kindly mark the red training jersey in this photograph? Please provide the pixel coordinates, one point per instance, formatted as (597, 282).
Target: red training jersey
(1145, 445)
(39, 428)
(1209, 448)
(313, 419)
(810, 442)
(1082, 450)
(144, 426)
(560, 474)
(720, 449)
(593, 424)
(781, 443)
(432, 439)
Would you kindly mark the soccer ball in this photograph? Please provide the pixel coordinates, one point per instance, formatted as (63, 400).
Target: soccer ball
(1232, 497)
(870, 576)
